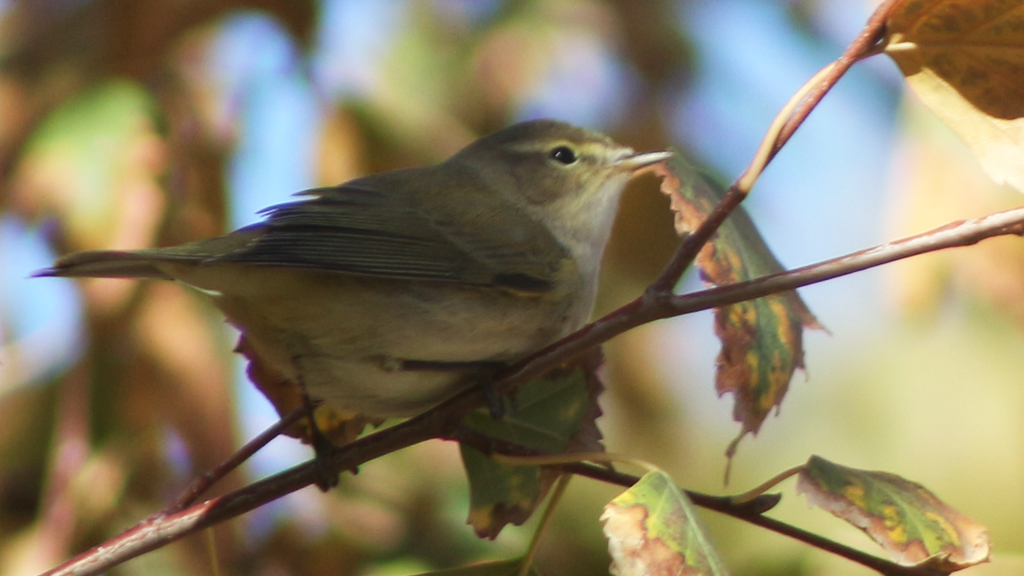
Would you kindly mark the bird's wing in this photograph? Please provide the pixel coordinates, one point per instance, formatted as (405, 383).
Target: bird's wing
(364, 230)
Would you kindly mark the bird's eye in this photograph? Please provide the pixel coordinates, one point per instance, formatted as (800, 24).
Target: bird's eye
(563, 154)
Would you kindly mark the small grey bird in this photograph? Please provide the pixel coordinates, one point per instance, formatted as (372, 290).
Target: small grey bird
(374, 295)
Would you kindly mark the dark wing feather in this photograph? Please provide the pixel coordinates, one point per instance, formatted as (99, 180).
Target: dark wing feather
(355, 229)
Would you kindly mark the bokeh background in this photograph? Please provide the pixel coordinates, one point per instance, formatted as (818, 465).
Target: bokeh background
(129, 124)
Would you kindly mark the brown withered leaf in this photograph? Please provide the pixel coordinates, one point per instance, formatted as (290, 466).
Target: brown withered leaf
(762, 340)
(965, 60)
(905, 518)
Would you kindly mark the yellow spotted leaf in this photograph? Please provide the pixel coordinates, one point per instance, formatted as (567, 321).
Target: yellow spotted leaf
(762, 340)
(906, 519)
(553, 414)
(652, 528)
(965, 60)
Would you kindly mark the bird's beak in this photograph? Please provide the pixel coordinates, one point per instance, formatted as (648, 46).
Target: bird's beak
(636, 162)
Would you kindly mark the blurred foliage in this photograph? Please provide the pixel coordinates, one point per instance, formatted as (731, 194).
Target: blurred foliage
(121, 126)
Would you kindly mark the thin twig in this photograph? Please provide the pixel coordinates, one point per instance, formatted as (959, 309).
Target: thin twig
(556, 496)
(493, 446)
(955, 234)
(791, 117)
(644, 310)
(863, 46)
(767, 485)
(208, 479)
(694, 243)
(161, 529)
(770, 144)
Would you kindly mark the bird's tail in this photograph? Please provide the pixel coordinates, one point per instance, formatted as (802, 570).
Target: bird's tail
(108, 264)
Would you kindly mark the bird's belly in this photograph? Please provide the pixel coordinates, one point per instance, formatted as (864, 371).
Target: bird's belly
(365, 388)
(348, 340)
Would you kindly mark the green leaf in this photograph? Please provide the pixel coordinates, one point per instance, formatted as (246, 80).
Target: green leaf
(554, 413)
(762, 340)
(503, 568)
(652, 528)
(906, 519)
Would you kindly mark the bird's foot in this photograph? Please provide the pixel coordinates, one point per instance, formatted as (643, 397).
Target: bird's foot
(324, 476)
(495, 402)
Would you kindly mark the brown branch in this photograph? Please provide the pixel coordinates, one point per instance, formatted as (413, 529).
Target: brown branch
(694, 242)
(782, 129)
(488, 445)
(956, 234)
(646, 309)
(208, 479)
(443, 420)
(863, 46)
(164, 528)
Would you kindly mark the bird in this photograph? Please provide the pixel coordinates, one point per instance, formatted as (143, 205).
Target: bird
(381, 296)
